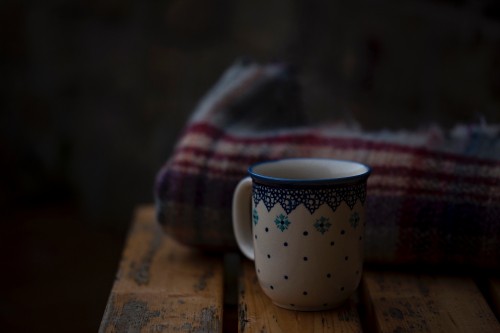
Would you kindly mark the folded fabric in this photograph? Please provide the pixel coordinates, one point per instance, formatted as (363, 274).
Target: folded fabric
(433, 196)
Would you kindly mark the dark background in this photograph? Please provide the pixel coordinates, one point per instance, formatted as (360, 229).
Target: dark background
(94, 94)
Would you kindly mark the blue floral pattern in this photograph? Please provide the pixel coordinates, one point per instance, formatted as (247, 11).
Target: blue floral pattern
(322, 224)
(282, 222)
(255, 216)
(354, 220)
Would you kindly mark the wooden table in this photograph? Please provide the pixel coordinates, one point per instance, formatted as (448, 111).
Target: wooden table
(162, 286)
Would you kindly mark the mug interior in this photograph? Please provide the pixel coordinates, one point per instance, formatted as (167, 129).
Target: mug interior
(308, 170)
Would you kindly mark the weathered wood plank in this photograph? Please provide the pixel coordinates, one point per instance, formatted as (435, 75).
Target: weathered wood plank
(400, 302)
(257, 313)
(162, 285)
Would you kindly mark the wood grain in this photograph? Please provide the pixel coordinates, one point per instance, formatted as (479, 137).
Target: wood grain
(400, 302)
(494, 291)
(162, 286)
(256, 313)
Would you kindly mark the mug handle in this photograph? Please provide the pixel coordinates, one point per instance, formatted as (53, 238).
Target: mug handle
(242, 224)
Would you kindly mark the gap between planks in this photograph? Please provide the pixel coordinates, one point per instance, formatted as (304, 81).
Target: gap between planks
(164, 286)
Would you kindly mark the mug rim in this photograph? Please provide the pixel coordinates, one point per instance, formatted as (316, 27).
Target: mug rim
(313, 181)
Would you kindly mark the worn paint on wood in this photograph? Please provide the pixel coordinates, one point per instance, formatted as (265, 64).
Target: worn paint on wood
(400, 302)
(256, 313)
(162, 286)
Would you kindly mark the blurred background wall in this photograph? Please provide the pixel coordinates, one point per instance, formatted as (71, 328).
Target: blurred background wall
(94, 94)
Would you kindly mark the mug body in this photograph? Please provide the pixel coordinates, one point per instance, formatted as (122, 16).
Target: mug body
(308, 224)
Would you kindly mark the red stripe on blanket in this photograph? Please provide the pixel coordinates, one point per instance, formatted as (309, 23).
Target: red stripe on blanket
(410, 192)
(410, 188)
(379, 169)
(437, 176)
(314, 139)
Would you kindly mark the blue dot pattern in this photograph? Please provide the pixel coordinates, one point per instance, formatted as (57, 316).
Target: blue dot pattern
(329, 228)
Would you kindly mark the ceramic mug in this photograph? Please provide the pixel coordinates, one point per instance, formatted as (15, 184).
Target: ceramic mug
(302, 221)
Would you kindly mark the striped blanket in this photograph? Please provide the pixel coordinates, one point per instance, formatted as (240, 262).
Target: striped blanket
(433, 197)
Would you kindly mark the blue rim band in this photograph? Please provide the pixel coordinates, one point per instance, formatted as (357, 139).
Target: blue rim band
(268, 180)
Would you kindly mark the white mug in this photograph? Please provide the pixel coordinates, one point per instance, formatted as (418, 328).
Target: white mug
(302, 221)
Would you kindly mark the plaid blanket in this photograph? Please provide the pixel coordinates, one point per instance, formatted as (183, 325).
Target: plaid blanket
(433, 197)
